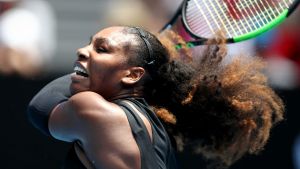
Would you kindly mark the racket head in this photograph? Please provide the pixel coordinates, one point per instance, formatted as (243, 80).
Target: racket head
(238, 19)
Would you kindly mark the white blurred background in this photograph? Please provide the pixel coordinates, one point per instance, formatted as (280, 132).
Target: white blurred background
(38, 42)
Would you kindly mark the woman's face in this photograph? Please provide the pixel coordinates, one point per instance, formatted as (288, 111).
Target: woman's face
(102, 63)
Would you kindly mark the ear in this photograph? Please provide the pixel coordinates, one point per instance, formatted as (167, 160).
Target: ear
(133, 75)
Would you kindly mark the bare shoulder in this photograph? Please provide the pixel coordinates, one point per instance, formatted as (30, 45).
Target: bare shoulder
(101, 127)
(90, 104)
(98, 117)
(105, 134)
(84, 114)
(88, 100)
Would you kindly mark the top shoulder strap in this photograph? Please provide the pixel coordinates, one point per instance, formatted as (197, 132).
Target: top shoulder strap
(139, 130)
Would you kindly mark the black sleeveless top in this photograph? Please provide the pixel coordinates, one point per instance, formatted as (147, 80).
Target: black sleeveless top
(157, 154)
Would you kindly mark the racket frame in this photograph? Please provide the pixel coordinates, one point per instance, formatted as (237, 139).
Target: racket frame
(201, 40)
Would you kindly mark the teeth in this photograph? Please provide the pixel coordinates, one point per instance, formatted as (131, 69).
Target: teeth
(80, 71)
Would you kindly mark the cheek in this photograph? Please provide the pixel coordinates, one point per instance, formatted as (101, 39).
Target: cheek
(104, 74)
(95, 78)
(98, 77)
(106, 82)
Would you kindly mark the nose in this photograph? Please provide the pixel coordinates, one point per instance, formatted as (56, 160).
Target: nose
(83, 53)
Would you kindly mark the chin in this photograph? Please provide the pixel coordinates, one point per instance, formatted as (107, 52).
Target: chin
(79, 83)
(77, 87)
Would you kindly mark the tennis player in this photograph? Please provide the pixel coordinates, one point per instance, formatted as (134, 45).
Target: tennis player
(129, 97)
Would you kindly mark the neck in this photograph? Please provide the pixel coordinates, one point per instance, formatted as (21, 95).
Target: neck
(126, 94)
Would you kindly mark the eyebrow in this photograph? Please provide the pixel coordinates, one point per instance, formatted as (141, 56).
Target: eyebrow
(101, 41)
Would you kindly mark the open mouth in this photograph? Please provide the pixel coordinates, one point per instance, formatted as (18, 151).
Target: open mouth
(80, 70)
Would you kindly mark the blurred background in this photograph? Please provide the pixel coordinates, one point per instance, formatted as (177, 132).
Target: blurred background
(38, 42)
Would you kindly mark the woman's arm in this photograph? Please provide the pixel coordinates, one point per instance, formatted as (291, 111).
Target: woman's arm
(100, 126)
(73, 118)
(46, 100)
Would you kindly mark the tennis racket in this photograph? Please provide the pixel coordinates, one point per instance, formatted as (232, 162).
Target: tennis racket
(198, 20)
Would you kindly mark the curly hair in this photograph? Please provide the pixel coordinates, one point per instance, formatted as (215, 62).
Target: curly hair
(217, 109)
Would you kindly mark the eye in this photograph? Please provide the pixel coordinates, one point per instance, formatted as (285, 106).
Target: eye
(100, 50)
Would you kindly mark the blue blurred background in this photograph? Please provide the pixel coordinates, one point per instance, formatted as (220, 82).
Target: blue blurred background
(38, 42)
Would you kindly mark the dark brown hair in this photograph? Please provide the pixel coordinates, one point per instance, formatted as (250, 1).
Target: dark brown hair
(217, 109)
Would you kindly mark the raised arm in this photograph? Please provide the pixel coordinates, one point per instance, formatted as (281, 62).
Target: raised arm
(101, 127)
(72, 119)
(46, 100)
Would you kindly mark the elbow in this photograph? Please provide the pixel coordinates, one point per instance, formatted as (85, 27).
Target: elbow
(38, 119)
(32, 115)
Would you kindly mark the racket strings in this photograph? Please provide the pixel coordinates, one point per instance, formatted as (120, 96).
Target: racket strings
(234, 17)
